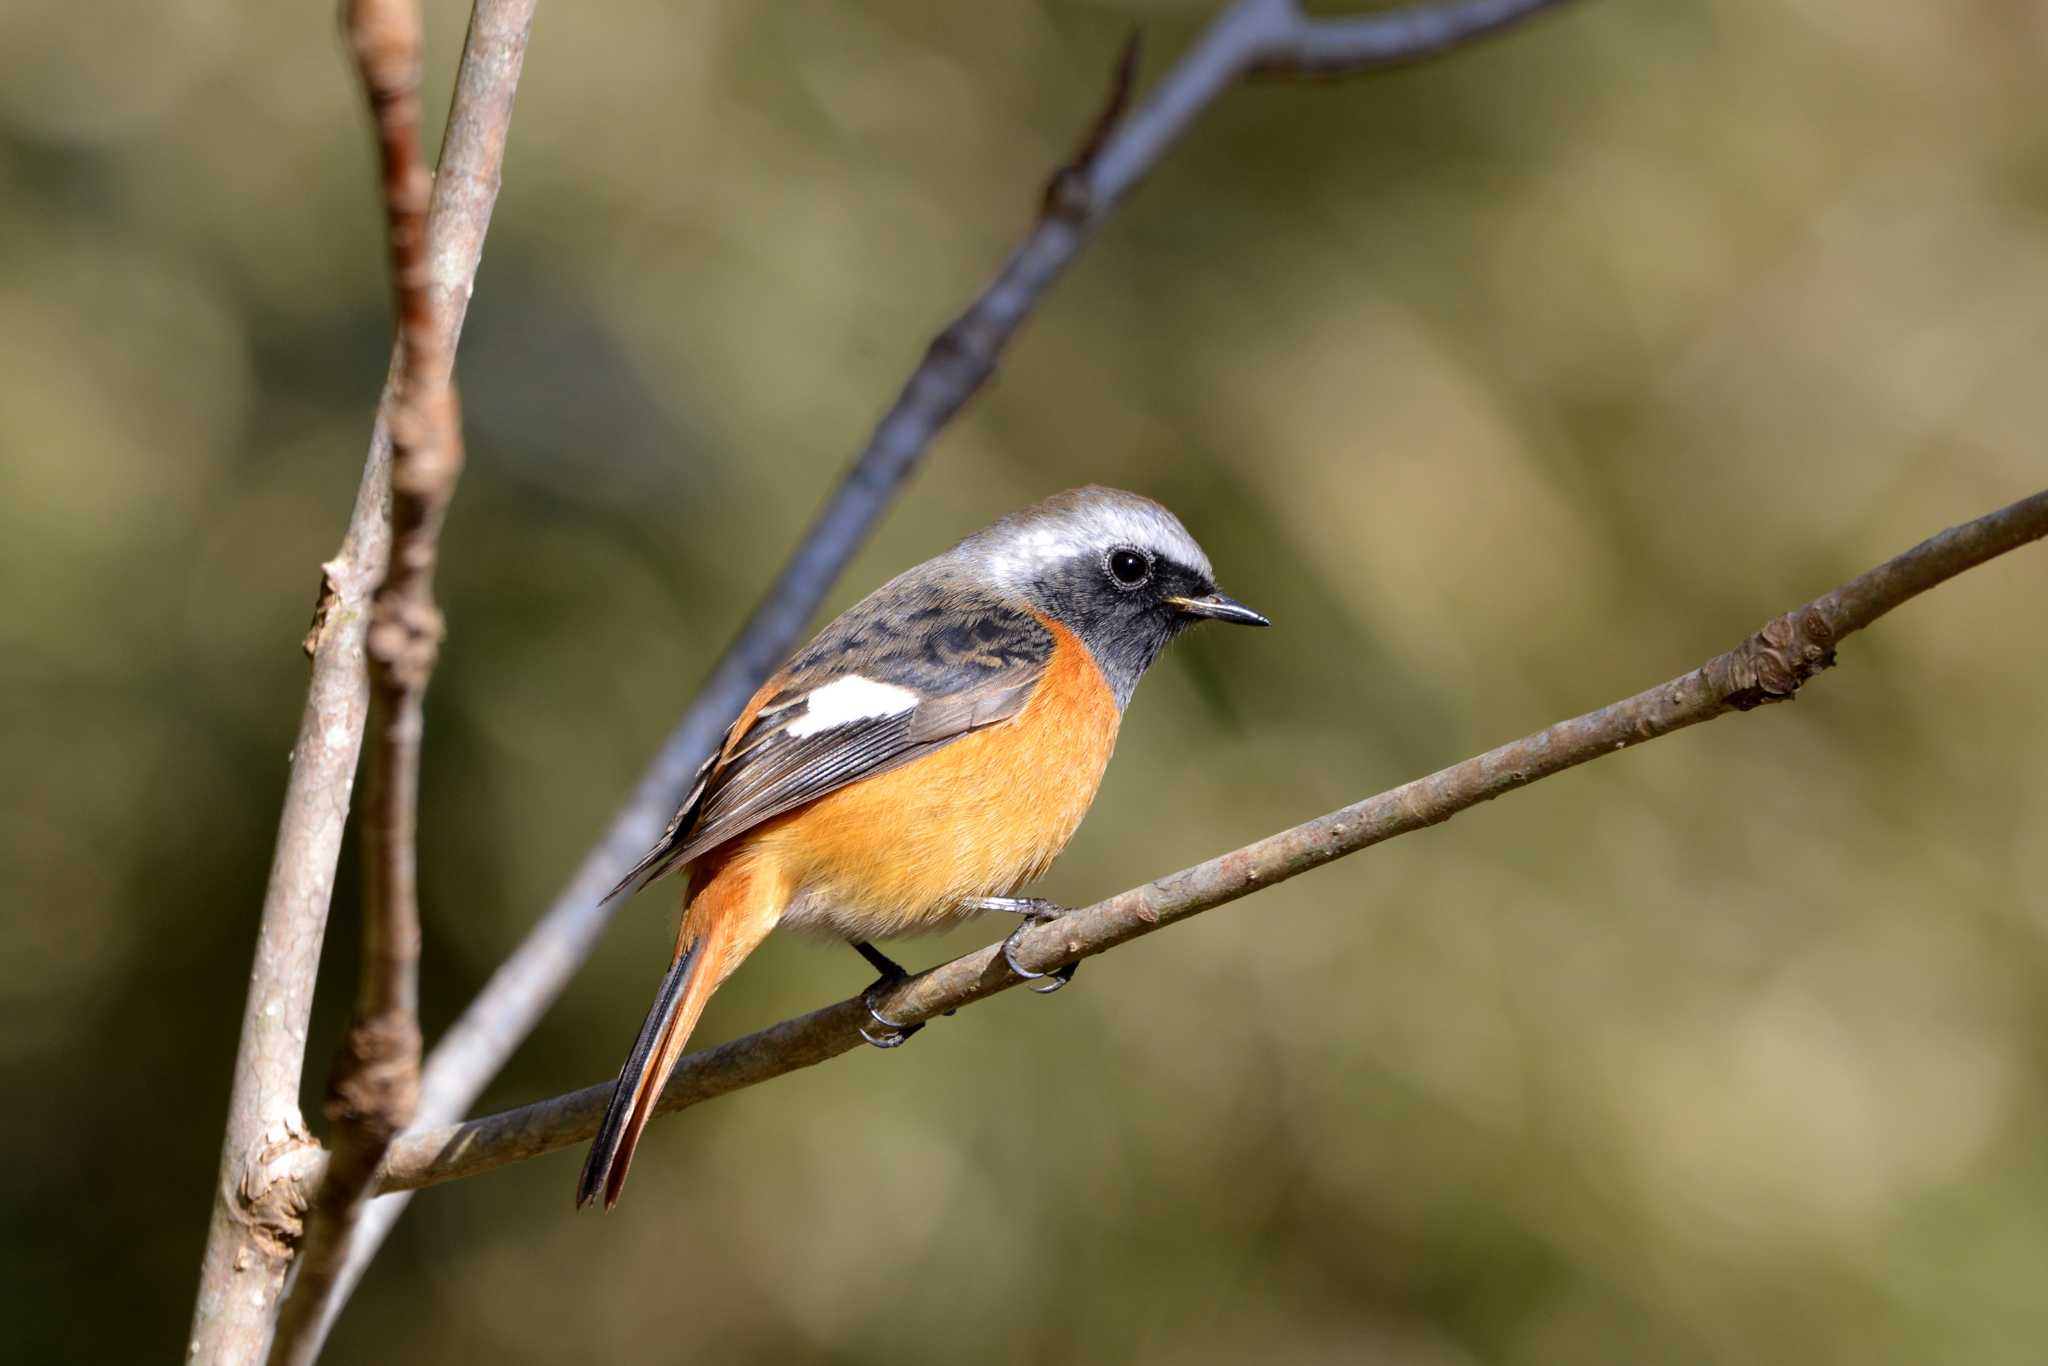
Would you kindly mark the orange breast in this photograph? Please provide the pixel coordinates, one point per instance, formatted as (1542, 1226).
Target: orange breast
(981, 817)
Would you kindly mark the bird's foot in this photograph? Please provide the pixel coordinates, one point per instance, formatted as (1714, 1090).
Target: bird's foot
(1036, 911)
(894, 1033)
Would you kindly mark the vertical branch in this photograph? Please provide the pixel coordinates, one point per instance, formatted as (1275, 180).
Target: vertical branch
(266, 1153)
(375, 1081)
(376, 1075)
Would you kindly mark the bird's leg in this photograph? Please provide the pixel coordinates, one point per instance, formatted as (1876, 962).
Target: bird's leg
(892, 972)
(1036, 911)
(890, 969)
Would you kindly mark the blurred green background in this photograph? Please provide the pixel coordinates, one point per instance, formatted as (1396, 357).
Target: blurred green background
(1507, 386)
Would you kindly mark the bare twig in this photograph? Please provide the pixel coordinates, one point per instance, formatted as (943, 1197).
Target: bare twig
(1299, 46)
(1077, 200)
(1768, 667)
(259, 1200)
(1123, 79)
(374, 1084)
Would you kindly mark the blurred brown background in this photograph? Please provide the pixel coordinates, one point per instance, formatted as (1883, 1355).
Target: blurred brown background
(1506, 386)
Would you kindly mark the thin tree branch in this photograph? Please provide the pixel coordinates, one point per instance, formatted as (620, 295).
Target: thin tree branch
(259, 1200)
(374, 1084)
(1345, 46)
(1768, 667)
(1078, 200)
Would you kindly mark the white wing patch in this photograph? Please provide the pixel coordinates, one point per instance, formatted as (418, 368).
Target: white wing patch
(849, 699)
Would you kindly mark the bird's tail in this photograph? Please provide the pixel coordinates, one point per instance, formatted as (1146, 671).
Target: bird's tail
(720, 928)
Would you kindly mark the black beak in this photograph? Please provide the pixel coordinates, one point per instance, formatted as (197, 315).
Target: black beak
(1219, 607)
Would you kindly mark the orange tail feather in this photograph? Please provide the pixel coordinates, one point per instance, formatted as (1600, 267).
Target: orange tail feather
(723, 925)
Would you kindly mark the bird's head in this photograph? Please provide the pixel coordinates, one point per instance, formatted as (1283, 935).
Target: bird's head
(1117, 570)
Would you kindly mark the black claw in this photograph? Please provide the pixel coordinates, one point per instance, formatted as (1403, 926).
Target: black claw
(892, 973)
(898, 1033)
(895, 1040)
(1053, 980)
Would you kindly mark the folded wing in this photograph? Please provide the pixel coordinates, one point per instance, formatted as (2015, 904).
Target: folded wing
(907, 671)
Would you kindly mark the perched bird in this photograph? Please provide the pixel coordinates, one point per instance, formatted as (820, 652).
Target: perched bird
(928, 753)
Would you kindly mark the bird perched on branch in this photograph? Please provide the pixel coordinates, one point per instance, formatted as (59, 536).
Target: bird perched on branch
(930, 752)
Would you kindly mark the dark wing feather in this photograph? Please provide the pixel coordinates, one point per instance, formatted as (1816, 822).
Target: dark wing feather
(972, 660)
(656, 862)
(788, 771)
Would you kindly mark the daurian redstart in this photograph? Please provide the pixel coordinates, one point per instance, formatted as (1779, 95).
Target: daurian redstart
(930, 752)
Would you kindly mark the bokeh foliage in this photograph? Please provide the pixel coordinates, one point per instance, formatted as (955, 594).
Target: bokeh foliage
(1506, 386)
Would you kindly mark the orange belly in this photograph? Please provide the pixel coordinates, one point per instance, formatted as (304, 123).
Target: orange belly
(896, 853)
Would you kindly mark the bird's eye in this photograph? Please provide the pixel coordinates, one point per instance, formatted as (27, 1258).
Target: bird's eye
(1129, 567)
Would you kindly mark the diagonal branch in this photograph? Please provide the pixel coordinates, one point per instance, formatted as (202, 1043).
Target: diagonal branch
(1251, 36)
(259, 1198)
(1768, 667)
